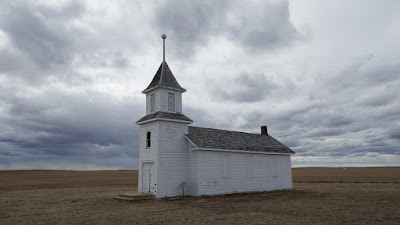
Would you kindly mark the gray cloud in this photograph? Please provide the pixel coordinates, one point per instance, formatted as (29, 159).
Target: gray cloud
(45, 43)
(257, 26)
(262, 26)
(189, 22)
(67, 125)
(51, 41)
(245, 88)
(356, 120)
(66, 69)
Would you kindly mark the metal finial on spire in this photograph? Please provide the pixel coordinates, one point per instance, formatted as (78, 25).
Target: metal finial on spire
(163, 36)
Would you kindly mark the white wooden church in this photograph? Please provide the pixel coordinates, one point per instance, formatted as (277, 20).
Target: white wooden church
(204, 161)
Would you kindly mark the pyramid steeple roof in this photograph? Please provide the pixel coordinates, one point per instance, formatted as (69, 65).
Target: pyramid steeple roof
(165, 79)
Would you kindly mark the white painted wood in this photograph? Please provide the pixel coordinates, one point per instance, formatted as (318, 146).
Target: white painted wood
(171, 102)
(206, 172)
(157, 96)
(148, 181)
(271, 172)
(193, 174)
(172, 158)
(148, 155)
(161, 100)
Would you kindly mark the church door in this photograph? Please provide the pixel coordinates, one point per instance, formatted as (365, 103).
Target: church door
(148, 184)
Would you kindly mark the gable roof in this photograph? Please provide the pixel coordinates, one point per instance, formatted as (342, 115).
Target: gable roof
(165, 115)
(208, 138)
(164, 78)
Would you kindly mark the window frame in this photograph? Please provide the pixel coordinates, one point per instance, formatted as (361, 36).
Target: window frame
(148, 140)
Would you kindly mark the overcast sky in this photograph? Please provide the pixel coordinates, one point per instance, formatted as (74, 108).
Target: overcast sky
(324, 76)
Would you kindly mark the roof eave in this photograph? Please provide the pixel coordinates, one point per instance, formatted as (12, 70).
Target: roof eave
(163, 119)
(242, 151)
(162, 86)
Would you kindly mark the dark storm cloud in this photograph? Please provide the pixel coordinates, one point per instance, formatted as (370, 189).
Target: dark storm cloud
(255, 26)
(45, 48)
(365, 74)
(60, 63)
(48, 41)
(245, 88)
(69, 125)
(324, 132)
(105, 58)
(358, 119)
(39, 35)
(263, 26)
(190, 23)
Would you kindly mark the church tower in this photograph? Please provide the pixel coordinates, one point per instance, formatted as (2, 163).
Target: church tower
(163, 148)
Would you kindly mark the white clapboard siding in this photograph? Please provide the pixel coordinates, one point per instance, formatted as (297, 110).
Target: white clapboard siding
(192, 187)
(172, 158)
(161, 100)
(148, 154)
(163, 93)
(214, 180)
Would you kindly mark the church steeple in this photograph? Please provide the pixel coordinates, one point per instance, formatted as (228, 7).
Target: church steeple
(164, 95)
(164, 77)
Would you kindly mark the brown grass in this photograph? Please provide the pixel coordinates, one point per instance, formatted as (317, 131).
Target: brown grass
(348, 175)
(41, 197)
(42, 179)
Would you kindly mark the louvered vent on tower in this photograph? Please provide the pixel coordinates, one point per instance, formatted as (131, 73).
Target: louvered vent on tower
(171, 102)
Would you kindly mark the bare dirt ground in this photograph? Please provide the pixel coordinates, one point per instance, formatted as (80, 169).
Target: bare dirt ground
(45, 197)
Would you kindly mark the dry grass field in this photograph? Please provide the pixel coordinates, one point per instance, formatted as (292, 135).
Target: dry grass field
(43, 179)
(319, 196)
(357, 175)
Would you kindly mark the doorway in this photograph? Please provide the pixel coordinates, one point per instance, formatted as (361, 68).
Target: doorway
(148, 182)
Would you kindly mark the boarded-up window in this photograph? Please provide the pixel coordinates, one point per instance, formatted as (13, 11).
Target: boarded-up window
(250, 166)
(225, 166)
(152, 102)
(148, 139)
(171, 102)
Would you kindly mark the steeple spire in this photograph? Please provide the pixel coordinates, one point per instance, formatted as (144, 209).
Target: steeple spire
(164, 36)
(164, 77)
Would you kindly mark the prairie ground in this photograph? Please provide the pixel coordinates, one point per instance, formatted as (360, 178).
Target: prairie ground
(85, 197)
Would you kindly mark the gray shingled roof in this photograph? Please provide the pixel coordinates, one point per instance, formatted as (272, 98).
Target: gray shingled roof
(165, 115)
(233, 140)
(164, 78)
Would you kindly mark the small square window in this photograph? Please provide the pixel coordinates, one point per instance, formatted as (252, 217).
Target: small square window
(148, 139)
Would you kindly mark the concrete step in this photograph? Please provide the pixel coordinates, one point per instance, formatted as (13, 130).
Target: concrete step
(135, 197)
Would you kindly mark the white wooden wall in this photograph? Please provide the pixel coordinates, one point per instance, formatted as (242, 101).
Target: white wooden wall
(148, 154)
(161, 100)
(192, 187)
(269, 172)
(204, 171)
(172, 158)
